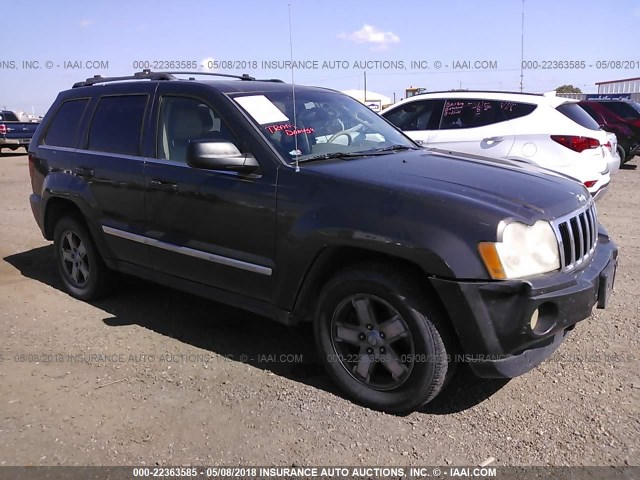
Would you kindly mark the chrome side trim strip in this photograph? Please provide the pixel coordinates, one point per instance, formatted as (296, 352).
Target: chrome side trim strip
(211, 257)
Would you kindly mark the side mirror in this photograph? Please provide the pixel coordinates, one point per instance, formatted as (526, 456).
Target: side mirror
(220, 155)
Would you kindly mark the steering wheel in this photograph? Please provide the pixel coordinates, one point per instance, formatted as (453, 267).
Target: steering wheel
(341, 133)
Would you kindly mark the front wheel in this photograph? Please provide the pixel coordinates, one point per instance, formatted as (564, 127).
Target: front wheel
(82, 270)
(380, 339)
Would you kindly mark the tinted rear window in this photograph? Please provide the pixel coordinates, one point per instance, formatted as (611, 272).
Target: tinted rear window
(117, 124)
(576, 113)
(8, 116)
(64, 125)
(514, 110)
(622, 109)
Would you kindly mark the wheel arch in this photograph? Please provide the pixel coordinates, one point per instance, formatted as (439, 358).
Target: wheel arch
(334, 259)
(58, 207)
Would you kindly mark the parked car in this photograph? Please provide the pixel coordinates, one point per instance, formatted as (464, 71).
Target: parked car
(627, 133)
(545, 130)
(626, 109)
(407, 262)
(615, 161)
(14, 133)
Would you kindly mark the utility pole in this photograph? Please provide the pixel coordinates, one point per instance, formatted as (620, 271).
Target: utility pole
(522, 51)
(365, 86)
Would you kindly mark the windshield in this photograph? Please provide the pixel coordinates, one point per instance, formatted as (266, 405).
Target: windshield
(327, 124)
(622, 109)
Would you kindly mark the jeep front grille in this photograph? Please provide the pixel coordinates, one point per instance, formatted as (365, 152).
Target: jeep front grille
(577, 235)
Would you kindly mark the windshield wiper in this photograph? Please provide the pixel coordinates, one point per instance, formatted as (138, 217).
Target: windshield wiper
(330, 155)
(364, 153)
(393, 148)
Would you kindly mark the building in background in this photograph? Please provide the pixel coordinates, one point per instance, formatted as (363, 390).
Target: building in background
(628, 86)
(375, 101)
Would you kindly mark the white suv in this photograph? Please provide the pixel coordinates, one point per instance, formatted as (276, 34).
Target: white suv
(545, 130)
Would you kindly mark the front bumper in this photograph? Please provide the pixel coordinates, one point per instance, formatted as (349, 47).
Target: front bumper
(493, 319)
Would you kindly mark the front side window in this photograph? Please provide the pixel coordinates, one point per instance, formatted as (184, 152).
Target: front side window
(116, 126)
(64, 125)
(184, 119)
(471, 113)
(323, 123)
(422, 115)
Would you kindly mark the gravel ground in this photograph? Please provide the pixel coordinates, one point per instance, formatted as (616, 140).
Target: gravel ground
(155, 376)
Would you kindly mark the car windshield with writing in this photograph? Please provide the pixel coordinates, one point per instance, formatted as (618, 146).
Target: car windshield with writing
(323, 124)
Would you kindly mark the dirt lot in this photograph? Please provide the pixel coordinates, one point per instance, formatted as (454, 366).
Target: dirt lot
(154, 376)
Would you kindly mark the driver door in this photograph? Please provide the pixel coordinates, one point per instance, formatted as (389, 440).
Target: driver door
(212, 227)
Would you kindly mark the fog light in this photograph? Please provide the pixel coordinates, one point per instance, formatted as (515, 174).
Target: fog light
(534, 319)
(543, 319)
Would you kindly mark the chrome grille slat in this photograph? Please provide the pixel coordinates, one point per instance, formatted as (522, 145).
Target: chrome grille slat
(587, 218)
(577, 236)
(572, 243)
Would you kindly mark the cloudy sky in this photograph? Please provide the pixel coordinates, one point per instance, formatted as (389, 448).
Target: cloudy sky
(436, 45)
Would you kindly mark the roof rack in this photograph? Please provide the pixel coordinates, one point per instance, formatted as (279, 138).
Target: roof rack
(480, 91)
(244, 76)
(147, 74)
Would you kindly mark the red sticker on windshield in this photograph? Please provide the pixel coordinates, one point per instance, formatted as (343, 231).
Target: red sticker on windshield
(298, 131)
(288, 129)
(277, 128)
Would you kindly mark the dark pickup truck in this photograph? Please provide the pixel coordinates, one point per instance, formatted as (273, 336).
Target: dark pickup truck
(307, 206)
(14, 133)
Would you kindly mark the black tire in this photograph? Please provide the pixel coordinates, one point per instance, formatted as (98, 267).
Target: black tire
(81, 268)
(355, 309)
(623, 155)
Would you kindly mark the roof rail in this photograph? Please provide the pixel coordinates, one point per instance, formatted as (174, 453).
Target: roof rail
(145, 74)
(244, 76)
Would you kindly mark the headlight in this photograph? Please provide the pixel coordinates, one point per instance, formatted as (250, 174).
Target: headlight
(524, 250)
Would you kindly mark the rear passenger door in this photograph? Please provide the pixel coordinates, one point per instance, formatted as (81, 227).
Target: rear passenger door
(111, 163)
(474, 126)
(213, 227)
(417, 119)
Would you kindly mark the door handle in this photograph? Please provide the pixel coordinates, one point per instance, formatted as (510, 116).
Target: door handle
(492, 140)
(84, 172)
(163, 185)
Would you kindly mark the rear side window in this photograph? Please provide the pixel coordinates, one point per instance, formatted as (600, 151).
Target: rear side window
(513, 110)
(471, 114)
(64, 124)
(578, 115)
(8, 117)
(423, 115)
(117, 124)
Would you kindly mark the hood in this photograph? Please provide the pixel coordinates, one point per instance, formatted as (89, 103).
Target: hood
(519, 190)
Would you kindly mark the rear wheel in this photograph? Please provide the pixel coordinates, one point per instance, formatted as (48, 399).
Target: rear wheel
(380, 339)
(82, 270)
(622, 154)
